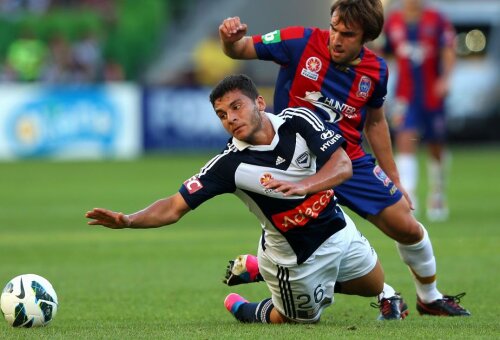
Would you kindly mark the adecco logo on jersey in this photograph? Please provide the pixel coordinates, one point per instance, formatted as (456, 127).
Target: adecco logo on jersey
(302, 214)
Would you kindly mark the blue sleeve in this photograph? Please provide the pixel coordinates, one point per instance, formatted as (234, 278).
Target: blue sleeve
(215, 178)
(380, 92)
(322, 141)
(281, 45)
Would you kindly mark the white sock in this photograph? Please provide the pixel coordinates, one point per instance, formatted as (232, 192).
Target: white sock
(408, 173)
(387, 292)
(420, 258)
(435, 170)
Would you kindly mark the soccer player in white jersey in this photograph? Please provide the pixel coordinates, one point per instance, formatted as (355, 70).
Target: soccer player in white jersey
(283, 167)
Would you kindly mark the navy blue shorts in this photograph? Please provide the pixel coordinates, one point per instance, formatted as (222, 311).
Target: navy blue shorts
(369, 190)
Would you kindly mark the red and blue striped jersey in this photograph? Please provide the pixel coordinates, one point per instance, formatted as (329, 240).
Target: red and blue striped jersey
(339, 94)
(417, 50)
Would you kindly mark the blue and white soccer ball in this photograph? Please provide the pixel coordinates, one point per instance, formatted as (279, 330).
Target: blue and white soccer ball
(28, 300)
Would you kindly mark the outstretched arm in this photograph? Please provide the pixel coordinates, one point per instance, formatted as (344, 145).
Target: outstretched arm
(379, 138)
(162, 212)
(335, 171)
(234, 42)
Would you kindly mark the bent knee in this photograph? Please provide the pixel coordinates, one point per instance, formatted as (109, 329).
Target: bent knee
(410, 233)
(399, 224)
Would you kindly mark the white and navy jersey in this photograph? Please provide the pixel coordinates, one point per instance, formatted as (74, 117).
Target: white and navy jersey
(293, 227)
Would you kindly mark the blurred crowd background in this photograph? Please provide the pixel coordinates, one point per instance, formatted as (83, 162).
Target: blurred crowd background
(173, 44)
(79, 41)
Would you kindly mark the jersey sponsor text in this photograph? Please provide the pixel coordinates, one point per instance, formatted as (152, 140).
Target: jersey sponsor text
(193, 184)
(302, 214)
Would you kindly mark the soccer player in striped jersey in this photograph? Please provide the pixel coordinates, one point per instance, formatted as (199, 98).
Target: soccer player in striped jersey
(332, 73)
(283, 167)
(422, 41)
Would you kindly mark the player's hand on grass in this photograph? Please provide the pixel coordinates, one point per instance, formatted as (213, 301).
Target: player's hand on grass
(108, 218)
(232, 30)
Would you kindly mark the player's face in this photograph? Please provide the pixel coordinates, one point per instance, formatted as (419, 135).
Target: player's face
(240, 115)
(345, 42)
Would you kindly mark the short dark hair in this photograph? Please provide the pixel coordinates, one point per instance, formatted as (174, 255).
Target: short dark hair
(369, 14)
(233, 82)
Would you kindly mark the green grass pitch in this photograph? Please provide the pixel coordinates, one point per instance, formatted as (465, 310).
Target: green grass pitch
(166, 282)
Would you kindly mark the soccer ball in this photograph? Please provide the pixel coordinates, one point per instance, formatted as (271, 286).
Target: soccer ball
(28, 301)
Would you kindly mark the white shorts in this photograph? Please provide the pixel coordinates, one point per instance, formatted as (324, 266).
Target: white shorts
(301, 292)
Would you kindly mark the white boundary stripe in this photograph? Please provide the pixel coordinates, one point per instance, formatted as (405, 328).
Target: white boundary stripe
(286, 292)
(213, 161)
(306, 114)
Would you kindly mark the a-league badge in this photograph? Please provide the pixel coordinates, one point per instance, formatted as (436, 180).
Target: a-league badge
(313, 66)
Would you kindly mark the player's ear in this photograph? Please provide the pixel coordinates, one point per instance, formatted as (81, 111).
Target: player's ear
(261, 103)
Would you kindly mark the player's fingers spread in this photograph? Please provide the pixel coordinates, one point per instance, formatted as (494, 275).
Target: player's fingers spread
(91, 214)
(272, 184)
(287, 191)
(95, 222)
(100, 212)
(283, 188)
(97, 215)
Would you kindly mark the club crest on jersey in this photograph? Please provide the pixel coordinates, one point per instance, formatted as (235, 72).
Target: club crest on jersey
(304, 160)
(364, 86)
(313, 66)
(380, 174)
(193, 184)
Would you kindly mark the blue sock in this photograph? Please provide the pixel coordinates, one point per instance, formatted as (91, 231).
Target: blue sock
(246, 312)
(255, 312)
